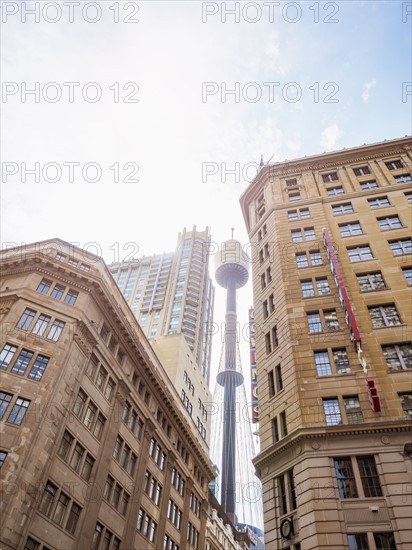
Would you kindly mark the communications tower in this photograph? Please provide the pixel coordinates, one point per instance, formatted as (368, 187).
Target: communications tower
(231, 272)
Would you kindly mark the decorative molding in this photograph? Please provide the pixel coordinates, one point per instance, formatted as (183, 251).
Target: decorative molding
(84, 337)
(6, 303)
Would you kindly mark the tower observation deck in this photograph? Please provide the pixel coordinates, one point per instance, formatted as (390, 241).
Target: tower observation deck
(231, 272)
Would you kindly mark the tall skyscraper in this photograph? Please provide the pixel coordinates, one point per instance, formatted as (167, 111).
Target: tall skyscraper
(172, 297)
(173, 293)
(332, 275)
(96, 450)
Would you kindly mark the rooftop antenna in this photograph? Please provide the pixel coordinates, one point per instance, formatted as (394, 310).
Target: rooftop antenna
(232, 230)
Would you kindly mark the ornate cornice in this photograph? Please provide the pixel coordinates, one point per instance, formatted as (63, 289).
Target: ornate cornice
(6, 303)
(84, 337)
(300, 435)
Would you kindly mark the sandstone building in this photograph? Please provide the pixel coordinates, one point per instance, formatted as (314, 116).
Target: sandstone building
(97, 451)
(332, 276)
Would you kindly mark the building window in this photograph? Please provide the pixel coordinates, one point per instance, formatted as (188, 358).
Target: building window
(41, 324)
(404, 178)
(369, 476)
(57, 292)
(18, 411)
(358, 541)
(307, 289)
(331, 319)
(275, 430)
(287, 492)
(279, 380)
(332, 411)
(400, 247)
(3, 456)
(296, 196)
(359, 253)
(345, 477)
(271, 383)
(335, 191)
(394, 164)
(322, 286)
(369, 184)
(389, 222)
(38, 368)
(350, 229)
(314, 322)
(260, 206)
(406, 403)
(384, 541)
(5, 399)
(297, 236)
(384, 316)
(315, 258)
(309, 234)
(26, 319)
(7, 354)
(56, 330)
(407, 272)
(353, 409)
(71, 297)
(55, 504)
(362, 171)
(22, 362)
(268, 343)
(65, 445)
(398, 356)
(44, 286)
(370, 281)
(379, 202)
(301, 260)
(292, 215)
(283, 424)
(408, 196)
(331, 177)
(322, 362)
(341, 360)
(343, 208)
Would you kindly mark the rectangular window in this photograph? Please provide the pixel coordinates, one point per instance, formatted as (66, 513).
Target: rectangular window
(406, 403)
(56, 330)
(345, 477)
(41, 324)
(5, 399)
(44, 286)
(292, 215)
(372, 184)
(338, 190)
(301, 260)
(322, 362)
(79, 403)
(87, 467)
(108, 488)
(331, 319)
(26, 319)
(57, 292)
(389, 222)
(407, 272)
(403, 178)
(275, 339)
(315, 258)
(61, 508)
(71, 297)
(384, 541)
(358, 541)
(310, 234)
(304, 213)
(117, 447)
(295, 196)
(307, 289)
(369, 476)
(268, 343)
(65, 445)
(379, 202)
(370, 281)
(73, 518)
(297, 236)
(398, 356)
(343, 208)
(38, 368)
(400, 247)
(275, 430)
(7, 354)
(271, 383)
(332, 411)
(99, 426)
(314, 322)
(101, 378)
(408, 196)
(18, 411)
(350, 229)
(77, 456)
(353, 409)
(271, 303)
(359, 253)
(332, 176)
(384, 316)
(109, 391)
(362, 171)
(49, 495)
(279, 380)
(22, 362)
(90, 415)
(265, 309)
(394, 164)
(323, 286)
(341, 360)
(283, 424)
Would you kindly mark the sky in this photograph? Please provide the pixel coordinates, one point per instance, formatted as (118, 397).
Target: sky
(147, 117)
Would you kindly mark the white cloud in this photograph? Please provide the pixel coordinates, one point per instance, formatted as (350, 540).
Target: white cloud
(329, 136)
(367, 87)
